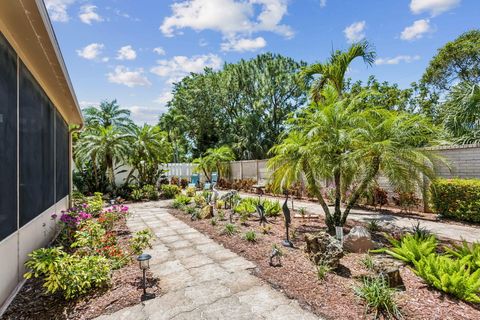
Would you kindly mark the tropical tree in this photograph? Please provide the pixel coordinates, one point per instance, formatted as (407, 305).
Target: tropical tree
(104, 147)
(108, 113)
(461, 113)
(334, 69)
(457, 61)
(342, 141)
(174, 124)
(149, 147)
(215, 159)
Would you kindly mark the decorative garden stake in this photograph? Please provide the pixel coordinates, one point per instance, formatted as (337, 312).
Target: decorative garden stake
(339, 234)
(261, 212)
(144, 264)
(288, 220)
(275, 257)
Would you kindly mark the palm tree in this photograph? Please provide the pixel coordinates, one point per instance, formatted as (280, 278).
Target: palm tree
(104, 147)
(334, 69)
(339, 140)
(107, 114)
(149, 148)
(215, 159)
(461, 113)
(173, 123)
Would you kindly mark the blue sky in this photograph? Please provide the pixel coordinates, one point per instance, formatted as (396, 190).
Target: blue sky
(134, 50)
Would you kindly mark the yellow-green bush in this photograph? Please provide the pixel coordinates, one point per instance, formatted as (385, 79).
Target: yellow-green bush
(457, 198)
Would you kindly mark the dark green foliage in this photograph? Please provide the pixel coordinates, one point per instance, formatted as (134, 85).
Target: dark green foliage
(457, 198)
(379, 298)
(181, 201)
(456, 61)
(244, 106)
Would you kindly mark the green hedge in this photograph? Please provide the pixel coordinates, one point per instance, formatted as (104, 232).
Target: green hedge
(457, 198)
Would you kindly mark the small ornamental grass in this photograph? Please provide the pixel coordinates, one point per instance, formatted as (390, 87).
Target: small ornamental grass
(230, 229)
(250, 236)
(322, 270)
(378, 297)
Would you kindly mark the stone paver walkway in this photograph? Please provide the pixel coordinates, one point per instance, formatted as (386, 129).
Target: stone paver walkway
(450, 231)
(201, 279)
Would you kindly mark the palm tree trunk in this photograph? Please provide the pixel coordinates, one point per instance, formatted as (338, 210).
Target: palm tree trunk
(111, 173)
(361, 189)
(316, 191)
(338, 197)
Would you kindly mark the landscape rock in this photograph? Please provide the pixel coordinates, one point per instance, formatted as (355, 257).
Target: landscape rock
(358, 240)
(206, 212)
(322, 248)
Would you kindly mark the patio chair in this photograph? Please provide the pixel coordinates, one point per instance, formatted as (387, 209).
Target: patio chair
(194, 180)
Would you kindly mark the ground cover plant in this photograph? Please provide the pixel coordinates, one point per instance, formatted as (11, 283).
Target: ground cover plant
(91, 261)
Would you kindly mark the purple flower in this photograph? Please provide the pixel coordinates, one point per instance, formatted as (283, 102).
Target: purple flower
(54, 216)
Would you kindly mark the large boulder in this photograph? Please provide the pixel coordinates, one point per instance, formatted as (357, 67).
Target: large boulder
(322, 248)
(206, 212)
(358, 240)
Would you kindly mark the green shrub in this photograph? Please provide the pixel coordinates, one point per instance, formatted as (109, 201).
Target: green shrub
(73, 275)
(272, 208)
(181, 201)
(450, 276)
(230, 229)
(411, 248)
(221, 214)
(378, 297)
(89, 236)
(141, 240)
(191, 191)
(170, 191)
(457, 198)
(150, 192)
(220, 204)
(136, 195)
(199, 201)
(245, 206)
(213, 222)
(95, 204)
(250, 236)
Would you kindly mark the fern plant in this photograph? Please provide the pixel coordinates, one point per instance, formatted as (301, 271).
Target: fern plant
(450, 276)
(411, 248)
(468, 253)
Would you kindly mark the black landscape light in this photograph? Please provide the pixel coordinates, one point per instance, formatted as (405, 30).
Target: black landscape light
(144, 264)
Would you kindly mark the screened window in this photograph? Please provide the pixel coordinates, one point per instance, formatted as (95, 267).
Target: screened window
(36, 133)
(8, 139)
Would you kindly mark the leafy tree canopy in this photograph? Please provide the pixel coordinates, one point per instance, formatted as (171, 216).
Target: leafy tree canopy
(456, 61)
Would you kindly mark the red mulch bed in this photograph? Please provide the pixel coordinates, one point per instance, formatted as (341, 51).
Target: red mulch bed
(125, 290)
(333, 297)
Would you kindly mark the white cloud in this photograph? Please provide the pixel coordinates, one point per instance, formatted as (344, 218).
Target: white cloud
(123, 75)
(396, 60)
(164, 98)
(233, 18)
(57, 9)
(179, 66)
(85, 104)
(355, 32)
(416, 30)
(160, 51)
(91, 51)
(323, 3)
(434, 7)
(146, 114)
(88, 14)
(242, 45)
(126, 53)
